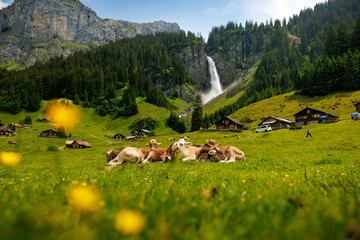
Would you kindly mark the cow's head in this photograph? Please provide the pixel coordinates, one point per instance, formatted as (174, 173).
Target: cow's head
(182, 144)
(153, 144)
(170, 153)
(211, 153)
(109, 155)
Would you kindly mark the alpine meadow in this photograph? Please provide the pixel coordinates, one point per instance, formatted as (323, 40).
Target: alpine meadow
(113, 129)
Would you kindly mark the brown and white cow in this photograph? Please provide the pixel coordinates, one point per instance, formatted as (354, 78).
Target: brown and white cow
(231, 153)
(162, 154)
(210, 153)
(128, 155)
(113, 153)
(153, 144)
(188, 150)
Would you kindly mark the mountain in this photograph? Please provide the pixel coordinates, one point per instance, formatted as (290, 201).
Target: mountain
(37, 30)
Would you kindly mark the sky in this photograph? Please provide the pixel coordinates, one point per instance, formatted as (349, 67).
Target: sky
(198, 16)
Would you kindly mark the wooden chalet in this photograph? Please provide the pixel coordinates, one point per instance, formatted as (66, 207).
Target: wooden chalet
(229, 124)
(118, 137)
(49, 134)
(277, 123)
(357, 105)
(142, 132)
(13, 125)
(2, 124)
(132, 139)
(312, 116)
(42, 120)
(5, 132)
(77, 144)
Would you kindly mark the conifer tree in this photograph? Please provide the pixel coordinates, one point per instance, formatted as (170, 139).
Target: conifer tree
(196, 117)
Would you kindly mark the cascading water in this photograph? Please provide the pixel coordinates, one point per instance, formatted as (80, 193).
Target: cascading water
(216, 88)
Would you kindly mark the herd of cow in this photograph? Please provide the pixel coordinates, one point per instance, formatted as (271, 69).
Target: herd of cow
(210, 152)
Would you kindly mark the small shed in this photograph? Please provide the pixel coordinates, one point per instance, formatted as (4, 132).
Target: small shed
(229, 124)
(49, 134)
(357, 105)
(13, 125)
(132, 139)
(312, 116)
(77, 144)
(277, 123)
(118, 137)
(5, 132)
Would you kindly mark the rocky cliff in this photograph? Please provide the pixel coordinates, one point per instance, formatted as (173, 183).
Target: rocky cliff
(37, 30)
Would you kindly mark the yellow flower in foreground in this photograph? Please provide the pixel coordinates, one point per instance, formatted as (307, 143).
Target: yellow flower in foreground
(84, 199)
(129, 222)
(63, 115)
(10, 159)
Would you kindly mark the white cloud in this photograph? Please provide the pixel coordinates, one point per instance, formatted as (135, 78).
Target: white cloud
(262, 10)
(3, 4)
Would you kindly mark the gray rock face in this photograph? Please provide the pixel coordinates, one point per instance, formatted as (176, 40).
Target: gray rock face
(65, 25)
(197, 66)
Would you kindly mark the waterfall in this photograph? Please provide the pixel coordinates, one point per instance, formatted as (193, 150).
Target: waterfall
(216, 88)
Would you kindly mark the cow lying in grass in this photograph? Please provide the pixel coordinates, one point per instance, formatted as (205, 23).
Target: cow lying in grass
(162, 154)
(130, 154)
(232, 154)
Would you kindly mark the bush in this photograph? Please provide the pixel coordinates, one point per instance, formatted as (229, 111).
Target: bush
(52, 148)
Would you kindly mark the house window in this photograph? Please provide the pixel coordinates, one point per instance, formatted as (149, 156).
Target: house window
(317, 115)
(308, 111)
(304, 117)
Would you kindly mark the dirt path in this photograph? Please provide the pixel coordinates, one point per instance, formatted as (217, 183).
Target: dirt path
(109, 142)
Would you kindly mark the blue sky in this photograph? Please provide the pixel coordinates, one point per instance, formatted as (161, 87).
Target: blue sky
(195, 15)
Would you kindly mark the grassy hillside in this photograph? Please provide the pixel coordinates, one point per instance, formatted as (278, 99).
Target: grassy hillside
(286, 105)
(93, 123)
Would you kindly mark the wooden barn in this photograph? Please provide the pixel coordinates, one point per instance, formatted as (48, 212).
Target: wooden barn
(42, 120)
(142, 132)
(5, 132)
(118, 137)
(357, 105)
(77, 144)
(277, 123)
(49, 134)
(312, 116)
(229, 124)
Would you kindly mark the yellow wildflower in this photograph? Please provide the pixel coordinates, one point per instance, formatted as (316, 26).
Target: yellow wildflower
(291, 184)
(84, 199)
(129, 222)
(10, 159)
(63, 115)
(244, 181)
(243, 199)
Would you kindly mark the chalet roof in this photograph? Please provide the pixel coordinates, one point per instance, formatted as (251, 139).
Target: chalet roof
(276, 119)
(69, 142)
(145, 130)
(83, 143)
(6, 130)
(231, 119)
(310, 109)
(119, 134)
(50, 130)
(131, 137)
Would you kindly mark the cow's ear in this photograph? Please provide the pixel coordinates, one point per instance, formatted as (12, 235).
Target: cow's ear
(189, 143)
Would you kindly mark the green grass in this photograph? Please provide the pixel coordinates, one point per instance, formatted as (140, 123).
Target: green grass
(290, 187)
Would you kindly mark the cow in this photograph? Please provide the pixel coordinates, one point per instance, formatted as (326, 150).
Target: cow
(128, 154)
(153, 144)
(162, 154)
(172, 139)
(188, 150)
(210, 153)
(231, 153)
(113, 153)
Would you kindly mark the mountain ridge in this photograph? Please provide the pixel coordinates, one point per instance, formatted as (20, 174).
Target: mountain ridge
(32, 30)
